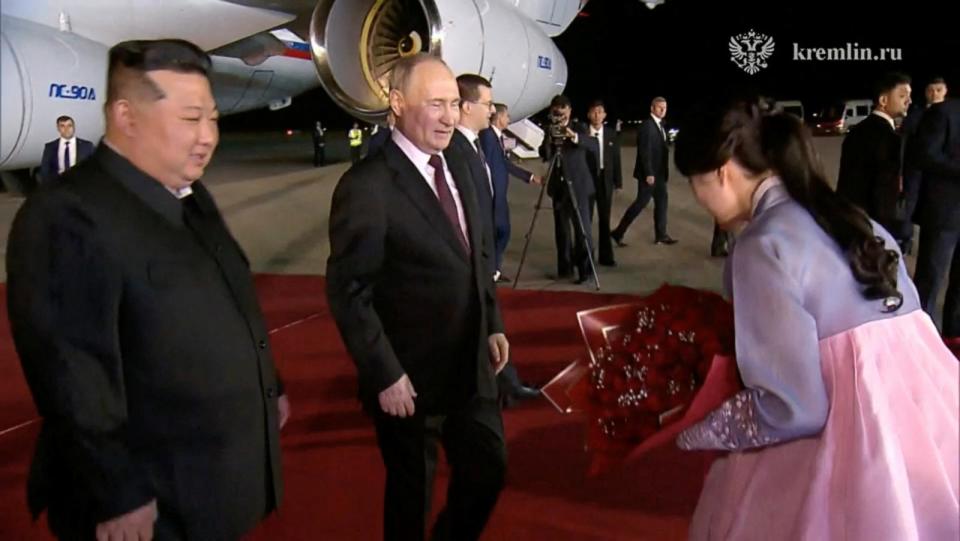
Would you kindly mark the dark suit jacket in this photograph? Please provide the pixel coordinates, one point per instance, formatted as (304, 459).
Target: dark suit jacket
(869, 174)
(146, 354)
(500, 170)
(575, 167)
(938, 143)
(469, 154)
(612, 175)
(49, 162)
(653, 155)
(377, 140)
(406, 297)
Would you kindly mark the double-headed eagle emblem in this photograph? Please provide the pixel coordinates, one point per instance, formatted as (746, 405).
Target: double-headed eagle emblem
(750, 51)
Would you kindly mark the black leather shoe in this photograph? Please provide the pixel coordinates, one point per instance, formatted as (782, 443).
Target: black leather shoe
(666, 240)
(618, 240)
(523, 392)
(610, 263)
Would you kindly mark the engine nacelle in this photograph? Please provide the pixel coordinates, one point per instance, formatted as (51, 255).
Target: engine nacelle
(47, 73)
(355, 44)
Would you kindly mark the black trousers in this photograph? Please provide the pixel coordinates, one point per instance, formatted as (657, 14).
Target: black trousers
(658, 192)
(939, 250)
(603, 200)
(355, 153)
(319, 157)
(571, 251)
(473, 441)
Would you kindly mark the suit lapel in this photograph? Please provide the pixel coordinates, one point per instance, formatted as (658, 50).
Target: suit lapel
(462, 178)
(411, 182)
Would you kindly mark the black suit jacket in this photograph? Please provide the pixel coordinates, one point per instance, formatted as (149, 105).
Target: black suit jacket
(612, 175)
(869, 174)
(575, 165)
(406, 296)
(49, 162)
(469, 154)
(377, 140)
(938, 144)
(653, 155)
(146, 354)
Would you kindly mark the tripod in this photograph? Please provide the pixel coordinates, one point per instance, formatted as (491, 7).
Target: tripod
(556, 167)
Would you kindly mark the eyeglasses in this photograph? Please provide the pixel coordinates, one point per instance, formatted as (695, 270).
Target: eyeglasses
(488, 104)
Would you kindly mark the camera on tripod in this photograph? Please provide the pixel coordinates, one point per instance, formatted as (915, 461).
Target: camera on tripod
(558, 127)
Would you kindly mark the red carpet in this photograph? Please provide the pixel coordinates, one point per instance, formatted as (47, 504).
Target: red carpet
(332, 469)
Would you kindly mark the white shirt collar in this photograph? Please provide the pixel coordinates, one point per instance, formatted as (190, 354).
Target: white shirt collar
(419, 158)
(655, 119)
(761, 190)
(497, 131)
(468, 133)
(72, 140)
(595, 131)
(886, 117)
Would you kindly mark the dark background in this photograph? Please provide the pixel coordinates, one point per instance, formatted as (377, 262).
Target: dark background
(625, 53)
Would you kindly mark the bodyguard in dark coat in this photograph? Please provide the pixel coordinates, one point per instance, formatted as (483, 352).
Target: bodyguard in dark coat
(63, 152)
(938, 140)
(134, 315)
(603, 154)
(870, 159)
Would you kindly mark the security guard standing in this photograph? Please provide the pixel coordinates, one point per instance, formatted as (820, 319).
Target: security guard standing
(356, 142)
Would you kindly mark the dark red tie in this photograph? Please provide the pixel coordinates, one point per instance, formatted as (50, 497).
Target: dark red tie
(446, 199)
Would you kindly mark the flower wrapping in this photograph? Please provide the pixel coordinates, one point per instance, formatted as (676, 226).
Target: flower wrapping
(655, 367)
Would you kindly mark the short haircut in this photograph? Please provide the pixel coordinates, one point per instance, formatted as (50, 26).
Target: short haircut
(403, 69)
(937, 81)
(129, 62)
(559, 102)
(469, 86)
(595, 103)
(888, 82)
(64, 118)
(658, 99)
(500, 108)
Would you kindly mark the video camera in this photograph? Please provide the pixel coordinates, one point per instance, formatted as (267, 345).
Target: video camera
(558, 127)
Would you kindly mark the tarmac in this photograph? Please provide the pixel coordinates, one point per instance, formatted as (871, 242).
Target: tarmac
(278, 205)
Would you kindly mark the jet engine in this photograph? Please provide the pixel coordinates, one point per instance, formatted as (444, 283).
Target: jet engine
(46, 74)
(356, 43)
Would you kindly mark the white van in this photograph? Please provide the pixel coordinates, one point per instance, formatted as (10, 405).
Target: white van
(854, 111)
(793, 107)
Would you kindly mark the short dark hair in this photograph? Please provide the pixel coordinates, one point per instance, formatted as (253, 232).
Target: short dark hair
(888, 82)
(937, 81)
(64, 118)
(559, 102)
(595, 103)
(469, 86)
(499, 108)
(129, 62)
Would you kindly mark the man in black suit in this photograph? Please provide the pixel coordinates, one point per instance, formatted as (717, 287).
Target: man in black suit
(476, 106)
(934, 93)
(409, 286)
(64, 152)
(381, 136)
(651, 171)
(938, 142)
(492, 143)
(319, 136)
(134, 315)
(572, 250)
(869, 175)
(603, 154)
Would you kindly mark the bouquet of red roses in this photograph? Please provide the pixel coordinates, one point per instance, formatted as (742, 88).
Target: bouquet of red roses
(656, 366)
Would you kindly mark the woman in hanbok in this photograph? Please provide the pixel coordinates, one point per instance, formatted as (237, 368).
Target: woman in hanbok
(847, 428)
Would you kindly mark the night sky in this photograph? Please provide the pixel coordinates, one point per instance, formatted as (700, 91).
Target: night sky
(624, 53)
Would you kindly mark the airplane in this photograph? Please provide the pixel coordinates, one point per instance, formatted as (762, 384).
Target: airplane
(266, 52)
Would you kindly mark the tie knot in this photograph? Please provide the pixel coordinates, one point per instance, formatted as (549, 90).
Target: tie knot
(436, 162)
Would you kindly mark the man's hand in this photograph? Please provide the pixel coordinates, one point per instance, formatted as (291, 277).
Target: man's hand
(499, 351)
(137, 525)
(283, 407)
(650, 180)
(536, 179)
(397, 399)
